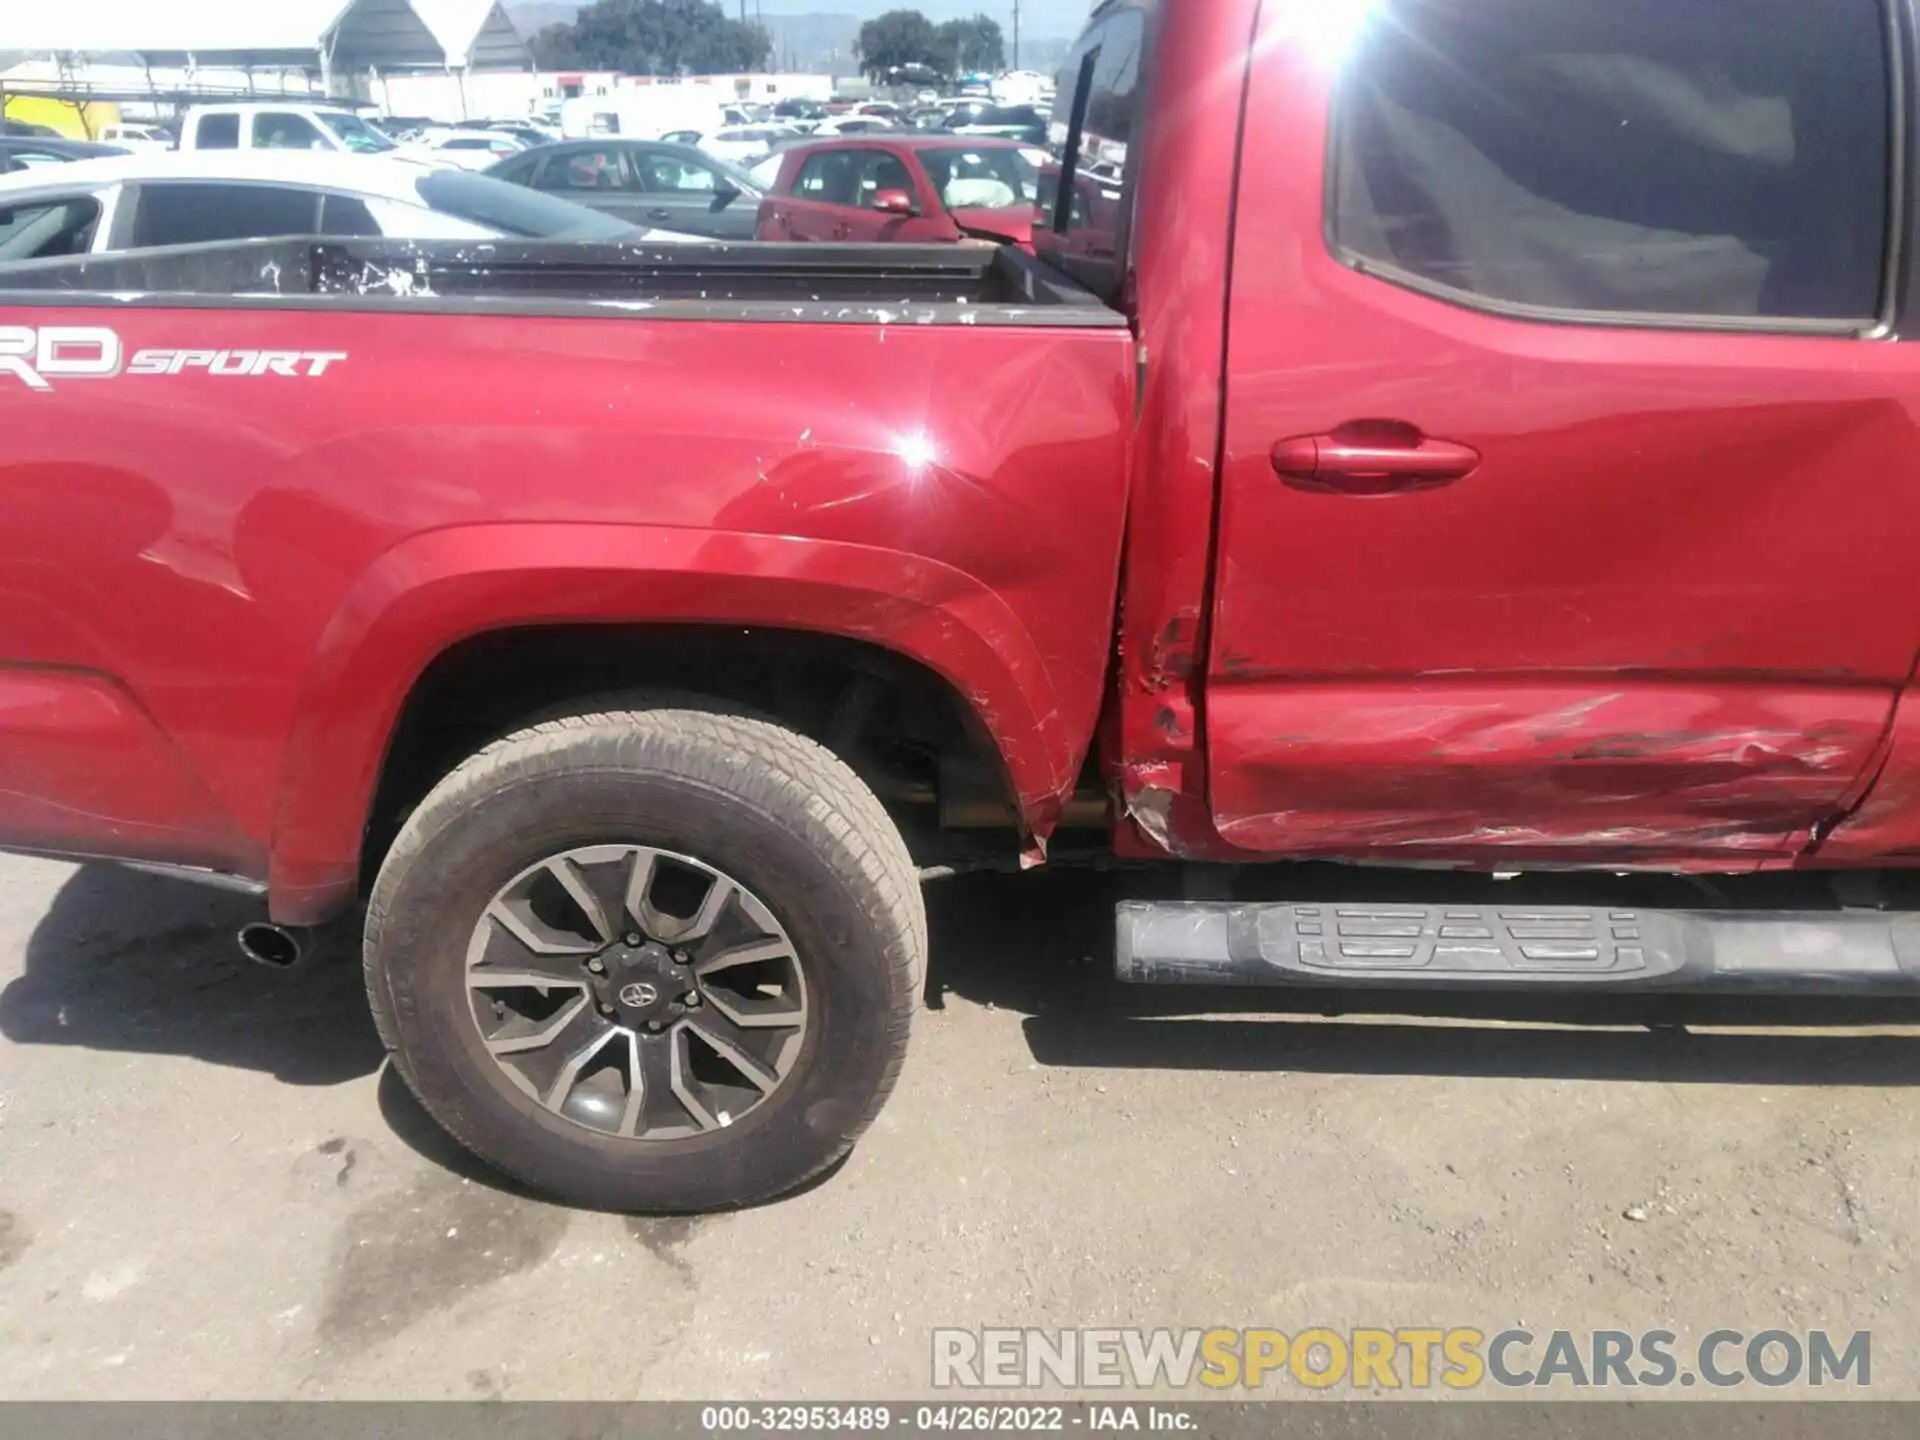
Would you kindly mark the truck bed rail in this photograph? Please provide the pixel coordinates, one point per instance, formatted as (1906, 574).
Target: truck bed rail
(847, 284)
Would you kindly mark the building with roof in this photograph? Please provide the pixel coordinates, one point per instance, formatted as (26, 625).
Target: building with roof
(160, 56)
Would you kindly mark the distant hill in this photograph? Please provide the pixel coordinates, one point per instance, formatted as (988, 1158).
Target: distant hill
(820, 43)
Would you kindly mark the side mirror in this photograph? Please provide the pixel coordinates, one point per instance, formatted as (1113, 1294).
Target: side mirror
(724, 195)
(893, 202)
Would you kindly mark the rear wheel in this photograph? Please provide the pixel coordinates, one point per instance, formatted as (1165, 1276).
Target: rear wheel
(651, 959)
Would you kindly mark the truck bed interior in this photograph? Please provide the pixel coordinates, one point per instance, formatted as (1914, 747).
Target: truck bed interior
(850, 284)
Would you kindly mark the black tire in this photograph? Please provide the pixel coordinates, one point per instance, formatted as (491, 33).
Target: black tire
(779, 813)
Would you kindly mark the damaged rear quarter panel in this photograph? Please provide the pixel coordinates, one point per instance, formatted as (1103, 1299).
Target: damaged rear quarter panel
(281, 566)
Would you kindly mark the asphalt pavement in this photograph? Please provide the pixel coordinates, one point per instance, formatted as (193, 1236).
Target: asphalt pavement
(211, 1186)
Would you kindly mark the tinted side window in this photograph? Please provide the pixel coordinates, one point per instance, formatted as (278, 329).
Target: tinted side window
(217, 132)
(827, 177)
(193, 214)
(1722, 158)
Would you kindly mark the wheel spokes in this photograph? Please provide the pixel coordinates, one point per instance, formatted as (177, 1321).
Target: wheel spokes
(751, 953)
(575, 884)
(554, 1054)
(724, 1039)
(662, 925)
(549, 963)
(520, 1034)
(515, 915)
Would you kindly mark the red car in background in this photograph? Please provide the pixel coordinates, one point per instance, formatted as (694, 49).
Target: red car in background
(905, 189)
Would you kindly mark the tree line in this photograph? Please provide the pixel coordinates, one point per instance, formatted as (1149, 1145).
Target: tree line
(653, 37)
(695, 37)
(906, 39)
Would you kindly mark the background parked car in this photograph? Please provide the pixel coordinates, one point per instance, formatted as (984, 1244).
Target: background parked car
(744, 144)
(647, 183)
(467, 148)
(1009, 122)
(965, 112)
(131, 202)
(904, 189)
(400, 128)
(137, 137)
(853, 125)
(527, 132)
(20, 152)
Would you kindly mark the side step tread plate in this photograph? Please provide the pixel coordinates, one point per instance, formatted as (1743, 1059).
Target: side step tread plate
(1469, 946)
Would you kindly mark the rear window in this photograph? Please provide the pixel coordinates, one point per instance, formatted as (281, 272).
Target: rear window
(515, 210)
(1716, 158)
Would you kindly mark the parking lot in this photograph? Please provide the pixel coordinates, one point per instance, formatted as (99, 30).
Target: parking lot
(211, 1187)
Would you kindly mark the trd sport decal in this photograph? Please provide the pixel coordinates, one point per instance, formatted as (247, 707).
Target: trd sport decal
(37, 358)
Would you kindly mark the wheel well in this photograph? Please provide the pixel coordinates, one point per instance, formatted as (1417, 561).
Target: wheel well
(901, 726)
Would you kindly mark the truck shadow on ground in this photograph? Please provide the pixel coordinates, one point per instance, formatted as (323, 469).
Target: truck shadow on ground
(126, 961)
(1043, 945)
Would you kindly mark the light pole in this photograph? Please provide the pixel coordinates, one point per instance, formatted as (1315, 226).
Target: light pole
(1016, 34)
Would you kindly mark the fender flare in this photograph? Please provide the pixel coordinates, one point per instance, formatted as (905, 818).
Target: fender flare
(438, 588)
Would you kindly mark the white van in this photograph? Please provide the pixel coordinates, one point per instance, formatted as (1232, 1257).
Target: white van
(269, 126)
(644, 112)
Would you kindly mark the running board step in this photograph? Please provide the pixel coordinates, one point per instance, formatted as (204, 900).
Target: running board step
(1513, 946)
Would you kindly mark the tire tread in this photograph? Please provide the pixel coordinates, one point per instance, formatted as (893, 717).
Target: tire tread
(791, 779)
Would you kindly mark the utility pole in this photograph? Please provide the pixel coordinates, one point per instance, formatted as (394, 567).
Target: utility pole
(1016, 34)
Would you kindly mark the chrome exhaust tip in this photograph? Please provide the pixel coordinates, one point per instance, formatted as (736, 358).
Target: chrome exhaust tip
(275, 946)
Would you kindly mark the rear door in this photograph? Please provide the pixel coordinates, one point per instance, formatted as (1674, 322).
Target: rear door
(1569, 497)
(682, 192)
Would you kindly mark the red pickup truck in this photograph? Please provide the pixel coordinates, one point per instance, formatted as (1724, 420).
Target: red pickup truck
(1483, 437)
